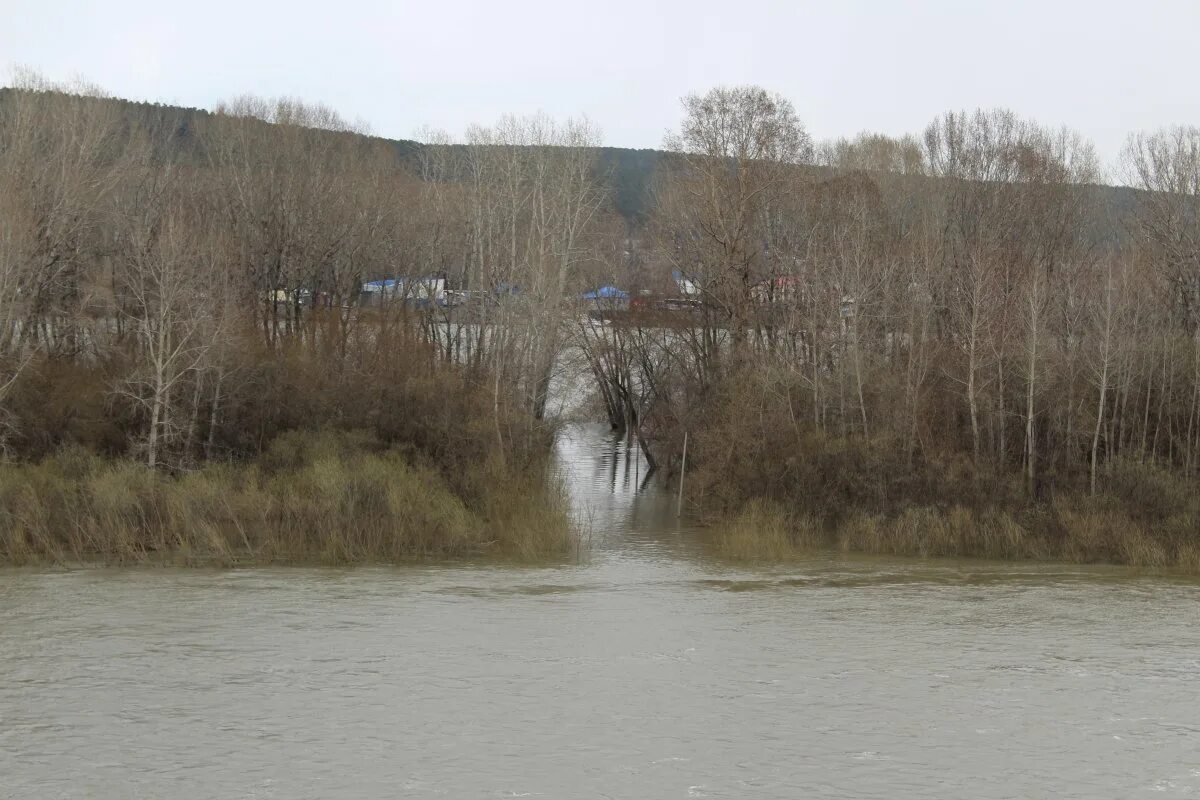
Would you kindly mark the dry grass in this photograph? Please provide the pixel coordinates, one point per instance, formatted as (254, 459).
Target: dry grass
(763, 531)
(879, 494)
(1083, 531)
(927, 531)
(863, 532)
(330, 498)
(527, 515)
(1100, 535)
(1068, 534)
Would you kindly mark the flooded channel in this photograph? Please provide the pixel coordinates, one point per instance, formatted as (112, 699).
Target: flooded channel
(644, 670)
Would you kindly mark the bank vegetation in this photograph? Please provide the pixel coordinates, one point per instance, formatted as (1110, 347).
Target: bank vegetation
(218, 340)
(189, 370)
(935, 345)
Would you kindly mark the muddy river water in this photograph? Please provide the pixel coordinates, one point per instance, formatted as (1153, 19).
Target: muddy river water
(641, 669)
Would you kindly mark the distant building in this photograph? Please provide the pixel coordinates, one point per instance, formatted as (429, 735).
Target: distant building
(607, 298)
(427, 290)
(688, 286)
(608, 292)
(780, 289)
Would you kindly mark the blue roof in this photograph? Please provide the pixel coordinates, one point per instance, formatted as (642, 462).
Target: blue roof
(385, 284)
(388, 283)
(606, 293)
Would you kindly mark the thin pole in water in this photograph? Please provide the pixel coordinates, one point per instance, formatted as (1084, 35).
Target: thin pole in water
(682, 467)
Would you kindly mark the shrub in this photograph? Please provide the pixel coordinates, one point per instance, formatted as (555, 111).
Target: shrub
(322, 496)
(765, 531)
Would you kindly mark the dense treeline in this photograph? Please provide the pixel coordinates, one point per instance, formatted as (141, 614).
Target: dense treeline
(933, 343)
(184, 307)
(931, 323)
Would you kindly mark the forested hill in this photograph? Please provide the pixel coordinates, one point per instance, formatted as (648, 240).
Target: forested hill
(631, 171)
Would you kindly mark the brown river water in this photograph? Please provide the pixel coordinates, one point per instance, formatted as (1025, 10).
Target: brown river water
(644, 670)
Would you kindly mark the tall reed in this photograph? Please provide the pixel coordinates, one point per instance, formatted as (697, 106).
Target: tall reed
(325, 497)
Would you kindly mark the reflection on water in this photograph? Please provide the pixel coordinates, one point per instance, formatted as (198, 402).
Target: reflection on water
(623, 506)
(646, 671)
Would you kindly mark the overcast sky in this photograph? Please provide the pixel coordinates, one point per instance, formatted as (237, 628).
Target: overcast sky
(1103, 67)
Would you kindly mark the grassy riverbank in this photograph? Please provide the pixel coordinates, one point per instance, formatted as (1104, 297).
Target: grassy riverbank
(774, 482)
(1150, 518)
(311, 497)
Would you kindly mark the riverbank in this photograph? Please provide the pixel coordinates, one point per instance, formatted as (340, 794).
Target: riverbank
(328, 497)
(323, 497)
(773, 486)
(1080, 530)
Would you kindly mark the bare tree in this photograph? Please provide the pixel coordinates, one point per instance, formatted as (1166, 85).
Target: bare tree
(163, 270)
(738, 147)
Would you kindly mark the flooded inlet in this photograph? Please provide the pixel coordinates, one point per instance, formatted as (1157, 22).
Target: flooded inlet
(646, 670)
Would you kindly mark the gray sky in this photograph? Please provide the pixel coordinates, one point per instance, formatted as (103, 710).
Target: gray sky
(1103, 67)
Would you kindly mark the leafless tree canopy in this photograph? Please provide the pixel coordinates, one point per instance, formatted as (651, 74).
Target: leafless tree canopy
(942, 298)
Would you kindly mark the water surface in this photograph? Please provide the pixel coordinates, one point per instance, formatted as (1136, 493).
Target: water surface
(644, 671)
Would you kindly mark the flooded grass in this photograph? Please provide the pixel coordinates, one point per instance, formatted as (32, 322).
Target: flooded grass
(345, 498)
(764, 531)
(312, 498)
(928, 531)
(1080, 532)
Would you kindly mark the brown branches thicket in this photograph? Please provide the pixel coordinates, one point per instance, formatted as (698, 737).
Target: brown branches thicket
(965, 312)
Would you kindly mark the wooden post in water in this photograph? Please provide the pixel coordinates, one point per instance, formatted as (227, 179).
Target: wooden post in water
(682, 467)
